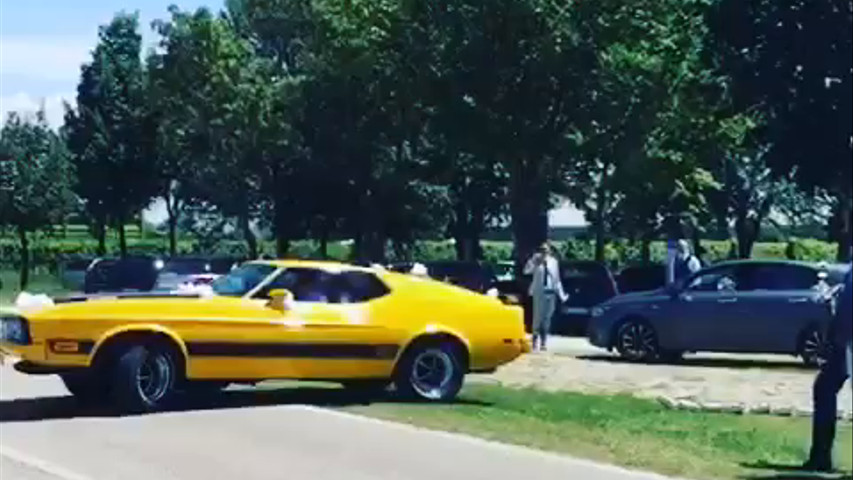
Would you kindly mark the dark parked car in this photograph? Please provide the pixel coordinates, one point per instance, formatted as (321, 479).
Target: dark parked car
(137, 273)
(471, 275)
(641, 278)
(588, 284)
(73, 272)
(738, 307)
(191, 270)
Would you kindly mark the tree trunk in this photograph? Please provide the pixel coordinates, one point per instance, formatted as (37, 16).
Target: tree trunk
(101, 234)
(172, 220)
(646, 249)
(281, 228)
(282, 246)
(599, 225)
(249, 236)
(845, 234)
(459, 228)
(324, 239)
(122, 237)
(25, 257)
(529, 211)
(746, 235)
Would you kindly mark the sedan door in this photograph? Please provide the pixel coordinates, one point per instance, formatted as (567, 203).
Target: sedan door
(781, 304)
(707, 314)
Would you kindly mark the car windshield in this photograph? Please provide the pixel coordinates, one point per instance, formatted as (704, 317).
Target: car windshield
(242, 280)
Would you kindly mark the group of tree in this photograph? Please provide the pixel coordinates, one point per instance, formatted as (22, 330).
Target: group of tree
(387, 120)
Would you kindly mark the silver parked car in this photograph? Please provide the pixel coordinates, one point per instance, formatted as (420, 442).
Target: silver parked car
(739, 307)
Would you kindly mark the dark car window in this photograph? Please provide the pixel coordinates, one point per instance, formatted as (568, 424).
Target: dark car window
(187, 266)
(357, 287)
(586, 283)
(716, 280)
(133, 273)
(472, 276)
(780, 277)
(306, 285)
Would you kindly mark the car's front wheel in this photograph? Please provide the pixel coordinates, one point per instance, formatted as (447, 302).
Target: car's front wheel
(144, 377)
(87, 387)
(431, 371)
(637, 341)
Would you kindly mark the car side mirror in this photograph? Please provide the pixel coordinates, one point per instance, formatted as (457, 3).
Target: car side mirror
(281, 300)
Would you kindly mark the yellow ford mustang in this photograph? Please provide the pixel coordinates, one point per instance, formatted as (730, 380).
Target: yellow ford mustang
(365, 328)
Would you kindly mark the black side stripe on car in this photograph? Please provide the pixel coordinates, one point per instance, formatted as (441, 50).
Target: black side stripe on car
(64, 346)
(293, 350)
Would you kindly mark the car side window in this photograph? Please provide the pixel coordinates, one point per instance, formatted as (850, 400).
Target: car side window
(718, 280)
(781, 277)
(307, 285)
(357, 287)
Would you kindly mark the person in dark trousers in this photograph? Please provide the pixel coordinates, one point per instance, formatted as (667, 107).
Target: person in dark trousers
(832, 376)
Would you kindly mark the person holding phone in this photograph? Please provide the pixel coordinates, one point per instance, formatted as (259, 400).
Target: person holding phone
(546, 290)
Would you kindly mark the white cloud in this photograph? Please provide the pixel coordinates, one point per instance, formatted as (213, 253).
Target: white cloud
(26, 104)
(53, 58)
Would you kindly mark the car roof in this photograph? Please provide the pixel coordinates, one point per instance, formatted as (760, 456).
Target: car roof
(318, 264)
(770, 261)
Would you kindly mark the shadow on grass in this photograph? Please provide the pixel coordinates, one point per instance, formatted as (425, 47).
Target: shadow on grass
(790, 472)
(67, 407)
(736, 363)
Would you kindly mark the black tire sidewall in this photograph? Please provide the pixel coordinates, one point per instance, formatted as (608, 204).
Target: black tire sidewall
(402, 377)
(649, 356)
(125, 392)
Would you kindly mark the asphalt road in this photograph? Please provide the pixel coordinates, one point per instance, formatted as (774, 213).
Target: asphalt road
(250, 435)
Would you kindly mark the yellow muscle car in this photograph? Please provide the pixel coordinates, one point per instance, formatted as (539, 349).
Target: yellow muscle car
(363, 327)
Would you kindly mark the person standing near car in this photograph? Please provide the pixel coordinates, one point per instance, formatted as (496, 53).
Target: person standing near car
(833, 374)
(686, 264)
(545, 291)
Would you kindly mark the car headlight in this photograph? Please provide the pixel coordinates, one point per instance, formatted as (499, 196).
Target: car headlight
(14, 329)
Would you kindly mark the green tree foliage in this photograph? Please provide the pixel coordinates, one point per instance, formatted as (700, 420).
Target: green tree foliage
(106, 131)
(35, 180)
(792, 61)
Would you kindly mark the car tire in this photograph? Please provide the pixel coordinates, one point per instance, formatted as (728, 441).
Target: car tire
(813, 347)
(431, 371)
(637, 341)
(86, 387)
(144, 378)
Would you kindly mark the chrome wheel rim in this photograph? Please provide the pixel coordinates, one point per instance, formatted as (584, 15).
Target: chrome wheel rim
(637, 341)
(154, 377)
(813, 348)
(432, 372)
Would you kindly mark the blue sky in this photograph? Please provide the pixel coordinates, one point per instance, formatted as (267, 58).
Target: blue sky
(43, 43)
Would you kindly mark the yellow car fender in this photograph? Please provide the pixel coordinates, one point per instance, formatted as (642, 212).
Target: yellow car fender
(140, 328)
(436, 329)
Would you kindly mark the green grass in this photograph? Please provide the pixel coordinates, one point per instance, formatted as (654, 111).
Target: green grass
(624, 431)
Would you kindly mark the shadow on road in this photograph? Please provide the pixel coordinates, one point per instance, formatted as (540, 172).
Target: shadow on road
(790, 472)
(736, 363)
(67, 407)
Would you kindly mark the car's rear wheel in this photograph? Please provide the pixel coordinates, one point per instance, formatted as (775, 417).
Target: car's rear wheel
(637, 341)
(813, 347)
(144, 377)
(431, 371)
(87, 387)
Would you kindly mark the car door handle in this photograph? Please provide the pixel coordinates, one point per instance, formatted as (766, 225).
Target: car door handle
(798, 300)
(727, 300)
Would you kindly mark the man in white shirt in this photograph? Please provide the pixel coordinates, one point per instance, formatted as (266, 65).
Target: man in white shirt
(546, 290)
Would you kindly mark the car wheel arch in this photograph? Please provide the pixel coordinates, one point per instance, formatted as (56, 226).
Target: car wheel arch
(438, 336)
(116, 338)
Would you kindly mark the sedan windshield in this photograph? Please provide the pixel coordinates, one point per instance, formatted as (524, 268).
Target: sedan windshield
(242, 280)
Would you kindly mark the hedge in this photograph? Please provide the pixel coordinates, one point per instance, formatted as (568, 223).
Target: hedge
(47, 252)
